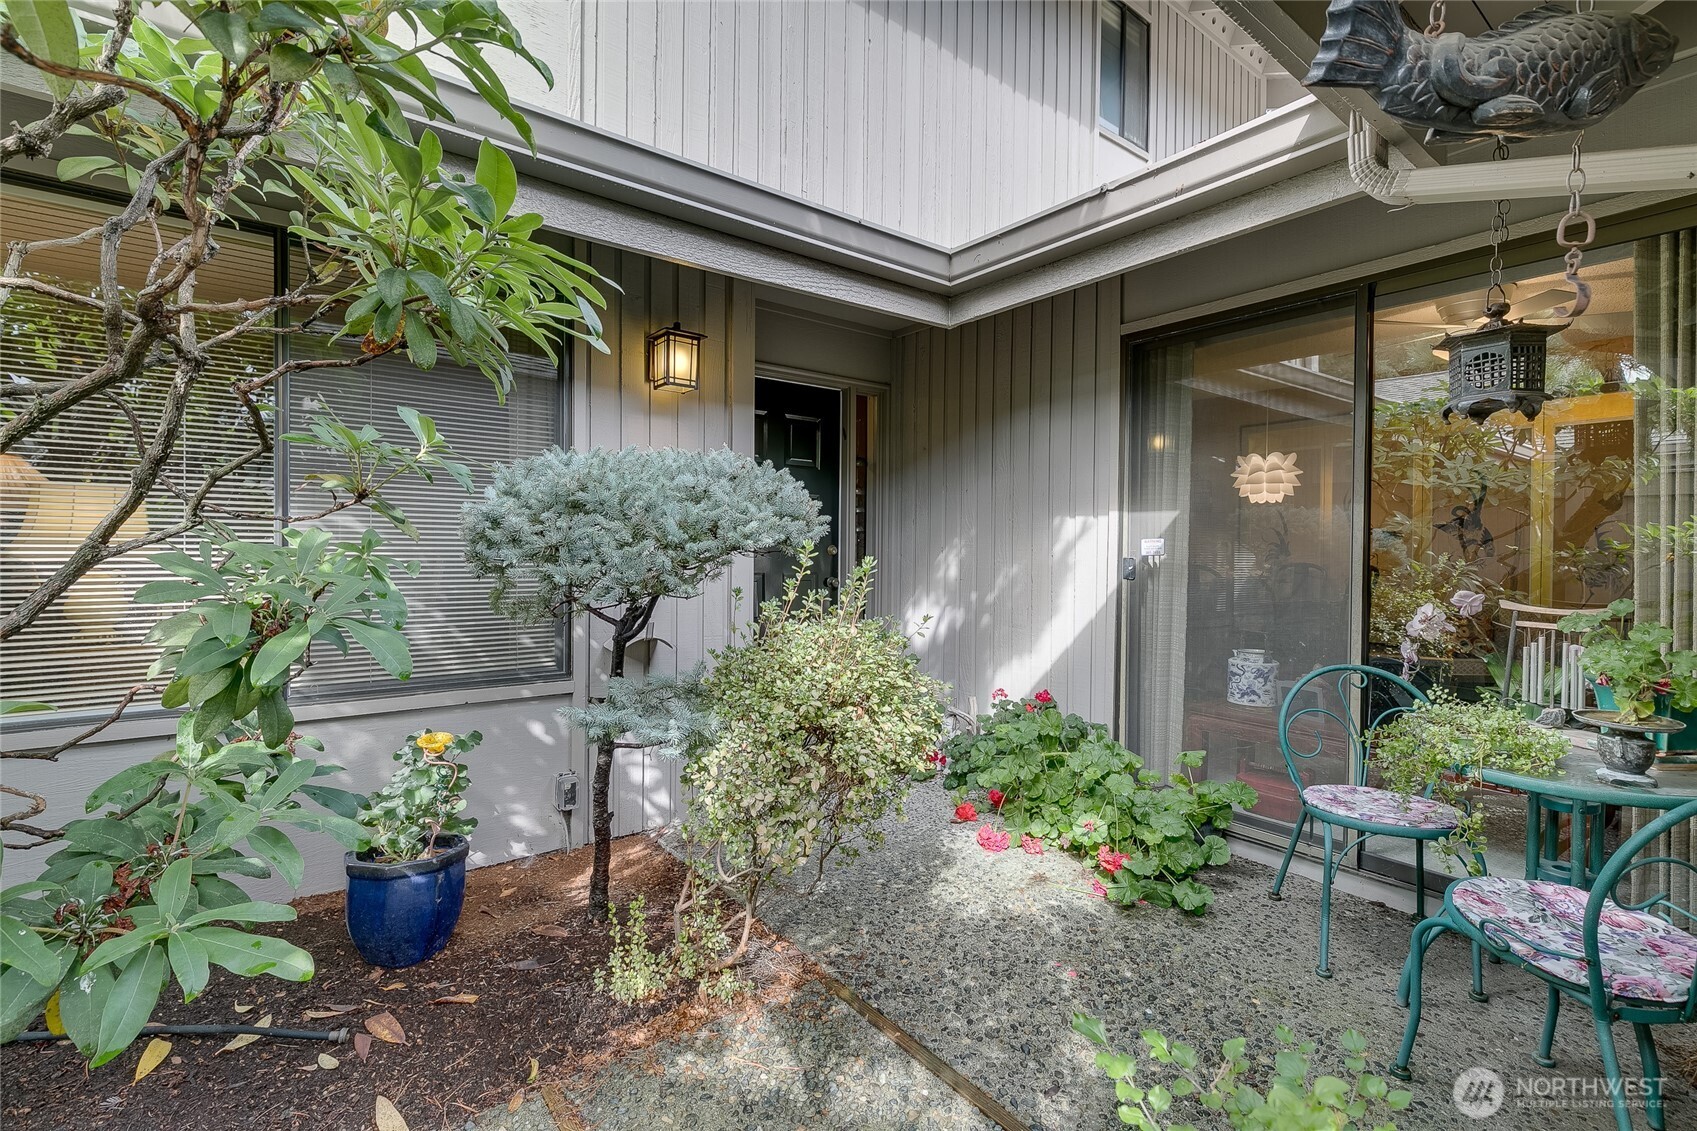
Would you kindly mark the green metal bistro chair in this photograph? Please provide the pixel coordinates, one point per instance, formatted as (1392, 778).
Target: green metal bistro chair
(1632, 962)
(1330, 725)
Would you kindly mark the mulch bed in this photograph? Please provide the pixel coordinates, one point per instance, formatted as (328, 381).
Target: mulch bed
(535, 999)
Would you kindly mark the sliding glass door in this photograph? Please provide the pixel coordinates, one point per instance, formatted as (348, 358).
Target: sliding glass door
(1241, 535)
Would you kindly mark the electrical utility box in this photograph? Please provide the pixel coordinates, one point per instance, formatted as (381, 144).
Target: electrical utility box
(565, 792)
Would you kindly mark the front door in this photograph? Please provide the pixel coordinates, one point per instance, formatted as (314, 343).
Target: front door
(799, 429)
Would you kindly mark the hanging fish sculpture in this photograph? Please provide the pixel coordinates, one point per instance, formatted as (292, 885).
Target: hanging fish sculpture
(1551, 70)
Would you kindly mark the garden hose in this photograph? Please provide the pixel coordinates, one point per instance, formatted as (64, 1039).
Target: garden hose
(336, 1036)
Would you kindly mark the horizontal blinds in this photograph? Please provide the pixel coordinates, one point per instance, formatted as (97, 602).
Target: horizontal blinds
(86, 650)
(454, 635)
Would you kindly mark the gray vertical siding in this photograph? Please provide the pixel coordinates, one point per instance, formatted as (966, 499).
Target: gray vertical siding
(614, 406)
(1198, 87)
(999, 515)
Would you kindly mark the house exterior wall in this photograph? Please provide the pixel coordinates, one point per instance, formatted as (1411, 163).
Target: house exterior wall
(943, 119)
(999, 515)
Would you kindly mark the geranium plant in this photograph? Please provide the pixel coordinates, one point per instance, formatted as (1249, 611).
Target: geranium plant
(1063, 781)
(423, 800)
(1443, 744)
(1640, 665)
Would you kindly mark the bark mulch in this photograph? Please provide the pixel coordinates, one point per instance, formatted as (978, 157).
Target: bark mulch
(534, 1000)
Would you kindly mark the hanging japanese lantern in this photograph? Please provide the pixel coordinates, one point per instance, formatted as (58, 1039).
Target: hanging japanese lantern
(1497, 366)
(1266, 478)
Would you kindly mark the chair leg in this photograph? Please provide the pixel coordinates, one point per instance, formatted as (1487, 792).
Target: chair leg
(1551, 1012)
(1414, 943)
(1423, 936)
(1652, 1076)
(1477, 993)
(1325, 969)
(1611, 1071)
(1290, 851)
(1419, 880)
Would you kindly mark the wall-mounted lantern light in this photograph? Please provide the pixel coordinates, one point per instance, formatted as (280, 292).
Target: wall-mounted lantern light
(674, 358)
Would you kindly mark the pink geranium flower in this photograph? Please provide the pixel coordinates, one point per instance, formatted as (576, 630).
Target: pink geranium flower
(992, 839)
(999, 693)
(1097, 891)
(1030, 845)
(1110, 860)
(1031, 706)
(965, 811)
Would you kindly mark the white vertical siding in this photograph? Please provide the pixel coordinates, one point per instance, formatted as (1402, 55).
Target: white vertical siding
(613, 406)
(1198, 88)
(945, 119)
(999, 517)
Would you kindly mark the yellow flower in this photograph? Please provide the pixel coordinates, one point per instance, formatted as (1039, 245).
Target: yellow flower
(435, 742)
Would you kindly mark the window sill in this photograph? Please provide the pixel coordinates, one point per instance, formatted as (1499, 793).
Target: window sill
(1123, 142)
(162, 724)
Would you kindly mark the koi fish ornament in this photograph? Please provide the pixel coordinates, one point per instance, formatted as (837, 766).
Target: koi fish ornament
(1551, 70)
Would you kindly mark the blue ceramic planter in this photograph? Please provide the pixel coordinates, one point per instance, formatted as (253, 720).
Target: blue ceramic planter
(402, 914)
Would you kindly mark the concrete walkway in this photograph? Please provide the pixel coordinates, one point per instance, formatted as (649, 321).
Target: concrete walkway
(983, 958)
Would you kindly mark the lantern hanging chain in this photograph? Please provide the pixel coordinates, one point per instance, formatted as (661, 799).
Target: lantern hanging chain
(1575, 243)
(1495, 295)
(1435, 19)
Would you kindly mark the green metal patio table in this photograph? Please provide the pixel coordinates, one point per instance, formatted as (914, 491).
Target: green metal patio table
(1572, 788)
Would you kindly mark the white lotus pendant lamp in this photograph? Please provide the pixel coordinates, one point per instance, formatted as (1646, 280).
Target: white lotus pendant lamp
(1268, 478)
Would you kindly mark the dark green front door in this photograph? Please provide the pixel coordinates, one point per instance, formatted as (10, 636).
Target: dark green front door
(799, 429)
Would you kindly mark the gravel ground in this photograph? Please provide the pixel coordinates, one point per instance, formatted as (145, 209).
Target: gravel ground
(984, 957)
(810, 1062)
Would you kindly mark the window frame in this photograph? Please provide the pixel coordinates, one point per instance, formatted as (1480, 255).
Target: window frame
(1133, 134)
(142, 721)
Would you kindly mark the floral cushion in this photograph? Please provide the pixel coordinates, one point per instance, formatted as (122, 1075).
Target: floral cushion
(1643, 957)
(1381, 806)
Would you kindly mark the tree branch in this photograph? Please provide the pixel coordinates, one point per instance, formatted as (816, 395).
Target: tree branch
(51, 753)
(10, 44)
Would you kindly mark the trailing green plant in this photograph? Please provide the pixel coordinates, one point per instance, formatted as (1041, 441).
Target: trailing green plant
(635, 970)
(1442, 745)
(612, 534)
(1640, 665)
(1066, 782)
(1172, 1083)
(424, 798)
(821, 714)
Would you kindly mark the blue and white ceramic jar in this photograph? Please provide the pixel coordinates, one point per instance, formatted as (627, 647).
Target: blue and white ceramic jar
(1252, 679)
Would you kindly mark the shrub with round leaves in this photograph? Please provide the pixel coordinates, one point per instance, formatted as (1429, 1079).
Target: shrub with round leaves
(822, 714)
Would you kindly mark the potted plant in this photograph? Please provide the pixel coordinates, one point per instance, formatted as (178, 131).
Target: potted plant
(407, 883)
(1636, 673)
(1442, 745)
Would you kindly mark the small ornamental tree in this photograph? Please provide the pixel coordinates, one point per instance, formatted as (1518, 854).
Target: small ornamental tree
(612, 534)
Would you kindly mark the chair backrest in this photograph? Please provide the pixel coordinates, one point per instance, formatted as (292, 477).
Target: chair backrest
(1660, 902)
(1333, 711)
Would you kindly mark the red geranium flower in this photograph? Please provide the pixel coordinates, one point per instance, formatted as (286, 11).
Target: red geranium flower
(992, 839)
(965, 812)
(1030, 845)
(937, 758)
(1031, 706)
(1110, 860)
(996, 796)
(999, 693)
(1044, 696)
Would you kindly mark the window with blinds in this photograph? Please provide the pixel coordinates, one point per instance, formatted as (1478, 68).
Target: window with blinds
(456, 638)
(88, 649)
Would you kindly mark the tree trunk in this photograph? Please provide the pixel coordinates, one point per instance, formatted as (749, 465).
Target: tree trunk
(601, 812)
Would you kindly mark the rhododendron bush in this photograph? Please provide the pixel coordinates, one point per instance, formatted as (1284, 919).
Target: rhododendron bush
(821, 715)
(1057, 779)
